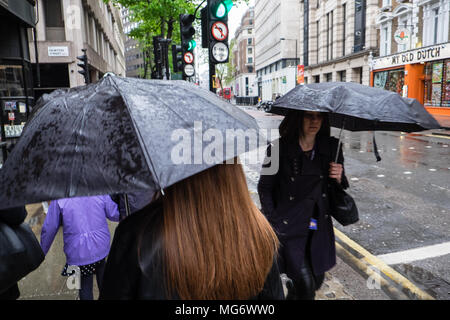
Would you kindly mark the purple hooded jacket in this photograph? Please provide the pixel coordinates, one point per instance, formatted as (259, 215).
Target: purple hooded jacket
(85, 228)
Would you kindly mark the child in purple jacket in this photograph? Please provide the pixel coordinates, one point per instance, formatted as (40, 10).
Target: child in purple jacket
(85, 233)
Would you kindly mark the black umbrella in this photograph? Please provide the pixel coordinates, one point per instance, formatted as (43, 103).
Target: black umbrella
(121, 135)
(356, 107)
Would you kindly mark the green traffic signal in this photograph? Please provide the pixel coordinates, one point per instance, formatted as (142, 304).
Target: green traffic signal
(222, 8)
(192, 44)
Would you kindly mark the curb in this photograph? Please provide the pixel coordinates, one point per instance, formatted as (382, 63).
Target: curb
(393, 283)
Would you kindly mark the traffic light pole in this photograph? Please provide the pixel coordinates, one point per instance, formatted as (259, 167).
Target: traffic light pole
(212, 73)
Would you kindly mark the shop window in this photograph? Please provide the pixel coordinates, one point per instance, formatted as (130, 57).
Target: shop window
(391, 80)
(437, 84)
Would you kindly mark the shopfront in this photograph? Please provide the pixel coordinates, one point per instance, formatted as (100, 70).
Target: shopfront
(16, 81)
(423, 74)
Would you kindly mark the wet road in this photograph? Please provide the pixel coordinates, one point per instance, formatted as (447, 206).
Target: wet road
(403, 200)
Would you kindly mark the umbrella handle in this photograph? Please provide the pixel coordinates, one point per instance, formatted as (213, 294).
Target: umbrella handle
(340, 141)
(127, 205)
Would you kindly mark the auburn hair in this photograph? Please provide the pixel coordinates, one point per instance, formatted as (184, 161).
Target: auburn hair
(216, 243)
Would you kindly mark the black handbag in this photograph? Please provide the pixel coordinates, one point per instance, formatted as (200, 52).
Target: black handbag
(20, 253)
(342, 206)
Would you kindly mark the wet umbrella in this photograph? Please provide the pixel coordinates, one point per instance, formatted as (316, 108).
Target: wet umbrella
(120, 135)
(356, 107)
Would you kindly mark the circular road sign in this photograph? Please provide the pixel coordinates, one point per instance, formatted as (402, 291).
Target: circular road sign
(219, 31)
(188, 57)
(220, 52)
(189, 70)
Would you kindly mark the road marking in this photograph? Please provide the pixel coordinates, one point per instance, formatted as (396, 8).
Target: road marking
(437, 136)
(407, 172)
(411, 255)
(383, 267)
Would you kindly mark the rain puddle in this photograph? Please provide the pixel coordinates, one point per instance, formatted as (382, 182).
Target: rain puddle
(425, 280)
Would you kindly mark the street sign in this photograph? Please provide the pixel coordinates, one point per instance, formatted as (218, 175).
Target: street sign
(219, 31)
(188, 57)
(189, 70)
(220, 52)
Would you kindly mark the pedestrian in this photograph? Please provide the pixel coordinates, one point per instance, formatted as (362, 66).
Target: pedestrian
(295, 199)
(85, 233)
(19, 251)
(203, 239)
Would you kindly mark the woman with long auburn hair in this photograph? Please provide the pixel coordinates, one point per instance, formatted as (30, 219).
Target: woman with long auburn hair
(204, 239)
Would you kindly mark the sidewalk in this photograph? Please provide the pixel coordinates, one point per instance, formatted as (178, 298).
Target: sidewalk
(443, 120)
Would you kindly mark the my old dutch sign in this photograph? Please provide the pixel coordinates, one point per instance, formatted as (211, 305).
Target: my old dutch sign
(431, 53)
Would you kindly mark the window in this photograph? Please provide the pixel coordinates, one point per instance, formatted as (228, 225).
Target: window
(249, 41)
(386, 3)
(435, 24)
(342, 76)
(54, 21)
(403, 23)
(328, 77)
(344, 16)
(317, 41)
(250, 50)
(330, 35)
(250, 60)
(385, 43)
(250, 31)
(53, 14)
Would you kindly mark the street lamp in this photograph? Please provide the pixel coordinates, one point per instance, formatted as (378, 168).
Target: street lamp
(296, 58)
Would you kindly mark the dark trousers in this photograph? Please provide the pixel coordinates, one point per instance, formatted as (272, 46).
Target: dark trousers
(87, 282)
(305, 282)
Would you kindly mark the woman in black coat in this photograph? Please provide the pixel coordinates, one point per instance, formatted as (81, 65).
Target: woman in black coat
(203, 239)
(295, 199)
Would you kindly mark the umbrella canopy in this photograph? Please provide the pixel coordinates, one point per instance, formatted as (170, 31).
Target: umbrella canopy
(356, 107)
(120, 135)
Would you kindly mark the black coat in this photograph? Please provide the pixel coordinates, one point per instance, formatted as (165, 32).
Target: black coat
(12, 217)
(294, 195)
(123, 278)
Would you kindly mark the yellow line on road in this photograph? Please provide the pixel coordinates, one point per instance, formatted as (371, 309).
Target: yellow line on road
(437, 136)
(383, 267)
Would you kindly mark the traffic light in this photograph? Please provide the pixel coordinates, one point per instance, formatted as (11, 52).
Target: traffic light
(84, 66)
(157, 53)
(177, 58)
(188, 44)
(217, 24)
(187, 32)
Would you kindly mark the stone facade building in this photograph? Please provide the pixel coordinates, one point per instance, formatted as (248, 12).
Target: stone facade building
(336, 38)
(414, 55)
(133, 54)
(64, 28)
(277, 46)
(243, 60)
